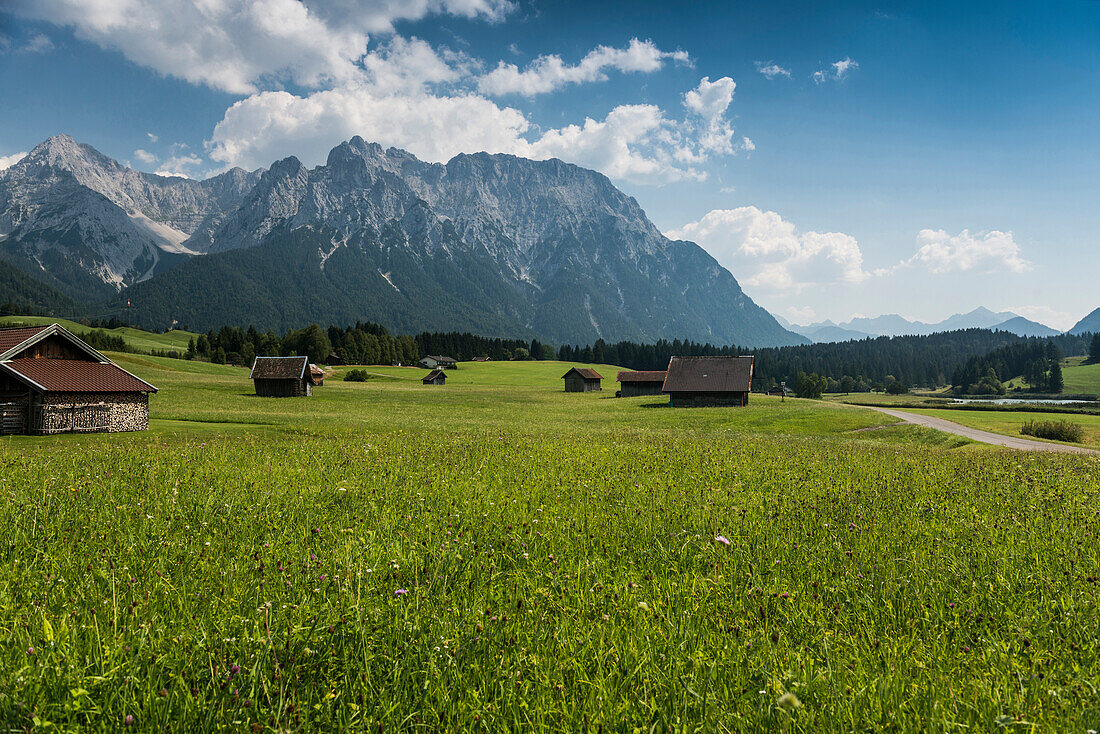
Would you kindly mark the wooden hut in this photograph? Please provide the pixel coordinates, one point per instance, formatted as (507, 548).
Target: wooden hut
(633, 384)
(51, 381)
(699, 381)
(334, 360)
(435, 377)
(437, 361)
(282, 377)
(582, 379)
(781, 391)
(318, 375)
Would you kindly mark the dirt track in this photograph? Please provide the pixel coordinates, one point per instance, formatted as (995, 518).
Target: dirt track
(996, 439)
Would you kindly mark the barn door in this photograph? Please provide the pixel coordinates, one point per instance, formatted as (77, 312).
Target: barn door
(13, 418)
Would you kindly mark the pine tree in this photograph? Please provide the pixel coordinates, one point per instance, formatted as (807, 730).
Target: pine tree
(1055, 383)
(1094, 349)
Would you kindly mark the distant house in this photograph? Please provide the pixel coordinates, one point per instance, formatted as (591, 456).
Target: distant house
(51, 381)
(582, 379)
(699, 381)
(435, 377)
(481, 359)
(334, 360)
(781, 391)
(282, 377)
(632, 384)
(318, 375)
(435, 361)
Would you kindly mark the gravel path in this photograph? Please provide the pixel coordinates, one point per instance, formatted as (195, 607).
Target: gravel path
(1012, 442)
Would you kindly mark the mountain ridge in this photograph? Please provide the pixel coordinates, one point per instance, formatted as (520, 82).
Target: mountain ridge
(523, 247)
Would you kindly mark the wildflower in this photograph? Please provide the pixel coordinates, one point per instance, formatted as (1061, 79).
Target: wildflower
(643, 605)
(234, 669)
(129, 720)
(723, 540)
(400, 592)
(30, 651)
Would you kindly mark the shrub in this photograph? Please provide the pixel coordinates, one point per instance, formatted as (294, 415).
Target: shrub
(356, 376)
(897, 388)
(1054, 430)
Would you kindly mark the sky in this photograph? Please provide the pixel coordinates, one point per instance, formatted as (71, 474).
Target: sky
(840, 159)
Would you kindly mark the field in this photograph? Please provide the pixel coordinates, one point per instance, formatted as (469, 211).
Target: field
(498, 555)
(1081, 378)
(1009, 422)
(140, 340)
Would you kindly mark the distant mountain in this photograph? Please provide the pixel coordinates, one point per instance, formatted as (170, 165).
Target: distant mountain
(895, 325)
(1023, 327)
(829, 332)
(490, 243)
(1089, 324)
(88, 225)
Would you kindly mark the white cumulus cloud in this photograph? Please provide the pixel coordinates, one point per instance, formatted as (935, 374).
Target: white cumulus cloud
(549, 73)
(772, 70)
(7, 161)
(768, 252)
(634, 142)
(144, 156)
(941, 252)
(836, 71)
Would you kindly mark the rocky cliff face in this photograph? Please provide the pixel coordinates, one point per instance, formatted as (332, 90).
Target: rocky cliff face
(84, 221)
(492, 243)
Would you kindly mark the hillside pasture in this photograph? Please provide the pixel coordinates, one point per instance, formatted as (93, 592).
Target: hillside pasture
(144, 341)
(496, 554)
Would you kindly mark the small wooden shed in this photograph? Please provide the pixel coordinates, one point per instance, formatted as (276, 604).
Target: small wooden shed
(703, 381)
(582, 379)
(282, 377)
(435, 377)
(51, 381)
(318, 375)
(633, 384)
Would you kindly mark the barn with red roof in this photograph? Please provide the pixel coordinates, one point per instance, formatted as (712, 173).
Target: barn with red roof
(51, 381)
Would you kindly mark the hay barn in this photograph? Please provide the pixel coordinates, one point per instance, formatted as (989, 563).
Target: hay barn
(633, 384)
(582, 379)
(704, 381)
(318, 375)
(435, 377)
(51, 381)
(282, 377)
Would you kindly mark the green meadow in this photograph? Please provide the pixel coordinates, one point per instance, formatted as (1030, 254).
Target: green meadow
(137, 339)
(497, 555)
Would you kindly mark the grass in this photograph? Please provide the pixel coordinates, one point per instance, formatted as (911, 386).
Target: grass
(497, 555)
(1081, 378)
(1010, 423)
(141, 340)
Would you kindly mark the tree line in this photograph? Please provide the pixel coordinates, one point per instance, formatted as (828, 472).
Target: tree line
(962, 358)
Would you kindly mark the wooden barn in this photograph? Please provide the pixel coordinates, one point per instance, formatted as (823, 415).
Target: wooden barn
(435, 361)
(701, 381)
(582, 379)
(435, 377)
(282, 377)
(781, 391)
(334, 360)
(633, 384)
(318, 375)
(51, 381)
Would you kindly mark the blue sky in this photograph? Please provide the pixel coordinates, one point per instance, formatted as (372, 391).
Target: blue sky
(838, 158)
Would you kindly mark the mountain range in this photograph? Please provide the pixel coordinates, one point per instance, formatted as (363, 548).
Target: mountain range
(493, 244)
(895, 325)
(1089, 324)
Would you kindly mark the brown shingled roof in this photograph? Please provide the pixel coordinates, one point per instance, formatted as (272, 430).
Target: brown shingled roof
(709, 374)
(642, 376)
(585, 372)
(280, 368)
(71, 375)
(13, 337)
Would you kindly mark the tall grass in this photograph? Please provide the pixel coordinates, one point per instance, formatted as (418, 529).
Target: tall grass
(389, 558)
